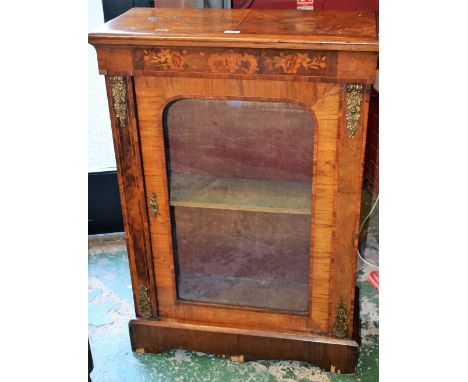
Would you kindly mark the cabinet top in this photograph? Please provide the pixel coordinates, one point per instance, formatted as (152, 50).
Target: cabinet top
(325, 30)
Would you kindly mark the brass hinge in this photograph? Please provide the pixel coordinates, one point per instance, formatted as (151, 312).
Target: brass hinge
(354, 96)
(144, 302)
(153, 201)
(340, 326)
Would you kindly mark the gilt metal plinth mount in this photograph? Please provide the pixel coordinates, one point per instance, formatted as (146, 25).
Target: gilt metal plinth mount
(154, 207)
(119, 98)
(354, 96)
(340, 326)
(144, 302)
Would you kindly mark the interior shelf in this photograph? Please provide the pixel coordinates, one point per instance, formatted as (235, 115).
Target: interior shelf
(244, 291)
(189, 190)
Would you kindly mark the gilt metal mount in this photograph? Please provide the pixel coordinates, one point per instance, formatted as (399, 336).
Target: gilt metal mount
(354, 96)
(144, 302)
(340, 327)
(119, 98)
(154, 204)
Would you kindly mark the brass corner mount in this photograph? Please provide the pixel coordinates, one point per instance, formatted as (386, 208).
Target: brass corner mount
(354, 96)
(340, 326)
(144, 302)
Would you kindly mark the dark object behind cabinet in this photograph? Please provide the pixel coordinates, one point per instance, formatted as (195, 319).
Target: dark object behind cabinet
(90, 363)
(114, 8)
(339, 5)
(104, 212)
(371, 163)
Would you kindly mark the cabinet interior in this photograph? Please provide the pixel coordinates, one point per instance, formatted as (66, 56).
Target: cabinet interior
(240, 193)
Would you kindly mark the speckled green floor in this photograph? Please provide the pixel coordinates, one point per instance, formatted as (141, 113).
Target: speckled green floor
(111, 307)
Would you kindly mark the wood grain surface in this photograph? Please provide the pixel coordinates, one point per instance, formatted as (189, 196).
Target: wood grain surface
(339, 356)
(330, 30)
(153, 94)
(132, 193)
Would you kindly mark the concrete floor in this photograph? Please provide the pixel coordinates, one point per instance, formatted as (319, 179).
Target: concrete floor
(111, 307)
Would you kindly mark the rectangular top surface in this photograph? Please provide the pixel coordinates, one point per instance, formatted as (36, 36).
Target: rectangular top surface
(241, 27)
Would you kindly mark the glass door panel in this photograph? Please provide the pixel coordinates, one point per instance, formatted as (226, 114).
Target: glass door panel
(240, 181)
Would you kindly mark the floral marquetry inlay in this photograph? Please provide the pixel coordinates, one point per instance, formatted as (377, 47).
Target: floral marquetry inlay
(166, 59)
(233, 62)
(290, 63)
(237, 61)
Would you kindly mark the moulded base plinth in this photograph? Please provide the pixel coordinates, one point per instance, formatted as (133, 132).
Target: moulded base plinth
(328, 353)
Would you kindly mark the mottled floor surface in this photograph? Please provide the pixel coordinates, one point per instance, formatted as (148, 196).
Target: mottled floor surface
(111, 307)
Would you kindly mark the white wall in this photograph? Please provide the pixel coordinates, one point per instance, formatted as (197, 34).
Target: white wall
(100, 145)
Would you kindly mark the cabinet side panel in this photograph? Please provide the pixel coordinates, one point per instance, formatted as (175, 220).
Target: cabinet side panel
(132, 192)
(350, 160)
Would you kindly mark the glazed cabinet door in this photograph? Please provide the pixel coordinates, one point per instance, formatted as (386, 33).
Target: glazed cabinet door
(240, 180)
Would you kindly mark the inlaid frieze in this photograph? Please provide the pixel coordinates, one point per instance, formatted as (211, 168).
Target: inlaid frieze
(236, 61)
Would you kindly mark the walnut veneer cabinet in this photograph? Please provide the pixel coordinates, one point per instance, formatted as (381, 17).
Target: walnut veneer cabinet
(239, 137)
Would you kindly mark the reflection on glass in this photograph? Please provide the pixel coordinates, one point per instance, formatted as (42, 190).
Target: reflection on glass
(240, 195)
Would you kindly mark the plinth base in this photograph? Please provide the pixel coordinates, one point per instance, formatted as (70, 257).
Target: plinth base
(328, 353)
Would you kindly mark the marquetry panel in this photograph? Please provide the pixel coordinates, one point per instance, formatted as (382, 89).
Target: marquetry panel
(236, 61)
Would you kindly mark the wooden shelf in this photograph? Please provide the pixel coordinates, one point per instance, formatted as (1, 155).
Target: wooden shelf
(240, 194)
(244, 291)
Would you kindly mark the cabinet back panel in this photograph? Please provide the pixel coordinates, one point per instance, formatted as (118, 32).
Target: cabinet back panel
(242, 258)
(246, 139)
